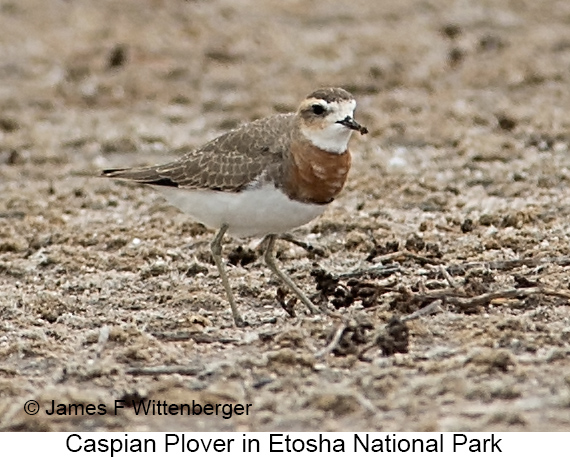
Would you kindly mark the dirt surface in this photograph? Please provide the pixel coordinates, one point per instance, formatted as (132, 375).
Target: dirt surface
(458, 200)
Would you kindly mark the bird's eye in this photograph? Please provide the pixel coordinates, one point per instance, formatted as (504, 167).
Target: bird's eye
(318, 109)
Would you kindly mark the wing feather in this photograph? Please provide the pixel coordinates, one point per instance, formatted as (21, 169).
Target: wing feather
(230, 162)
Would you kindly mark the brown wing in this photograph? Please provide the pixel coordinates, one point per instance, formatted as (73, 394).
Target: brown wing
(229, 163)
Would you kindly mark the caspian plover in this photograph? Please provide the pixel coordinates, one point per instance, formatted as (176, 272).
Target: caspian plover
(263, 178)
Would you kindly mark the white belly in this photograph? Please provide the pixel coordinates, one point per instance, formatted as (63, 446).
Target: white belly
(255, 212)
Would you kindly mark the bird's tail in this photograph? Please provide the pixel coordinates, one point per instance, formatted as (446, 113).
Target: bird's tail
(149, 175)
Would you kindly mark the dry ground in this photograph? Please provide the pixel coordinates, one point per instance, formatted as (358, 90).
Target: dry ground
(459, 196)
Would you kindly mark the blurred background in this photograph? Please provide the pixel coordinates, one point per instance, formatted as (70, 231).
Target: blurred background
(467, 160)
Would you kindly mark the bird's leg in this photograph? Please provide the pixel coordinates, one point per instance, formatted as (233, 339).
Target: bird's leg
(270, 261)
(311, 249)
(216, 247)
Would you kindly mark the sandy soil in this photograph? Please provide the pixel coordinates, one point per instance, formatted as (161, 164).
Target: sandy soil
(458, 200)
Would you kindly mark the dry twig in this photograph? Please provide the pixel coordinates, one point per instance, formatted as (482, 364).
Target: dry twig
(509, 264)
(484, 299)
(334, 341)
(447, 276)
(376, 271)
(155, 371)
(432, 308)
(402, 255)
(452, 296)
(198, 337)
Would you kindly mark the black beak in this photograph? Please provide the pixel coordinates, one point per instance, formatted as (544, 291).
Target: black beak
(352, 124)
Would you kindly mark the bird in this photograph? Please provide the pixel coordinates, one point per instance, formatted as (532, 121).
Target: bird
(263, 178)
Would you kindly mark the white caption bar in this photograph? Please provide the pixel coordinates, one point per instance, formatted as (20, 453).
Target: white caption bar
(309, 443)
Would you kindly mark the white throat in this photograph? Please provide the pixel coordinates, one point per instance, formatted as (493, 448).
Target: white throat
(332, 137)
